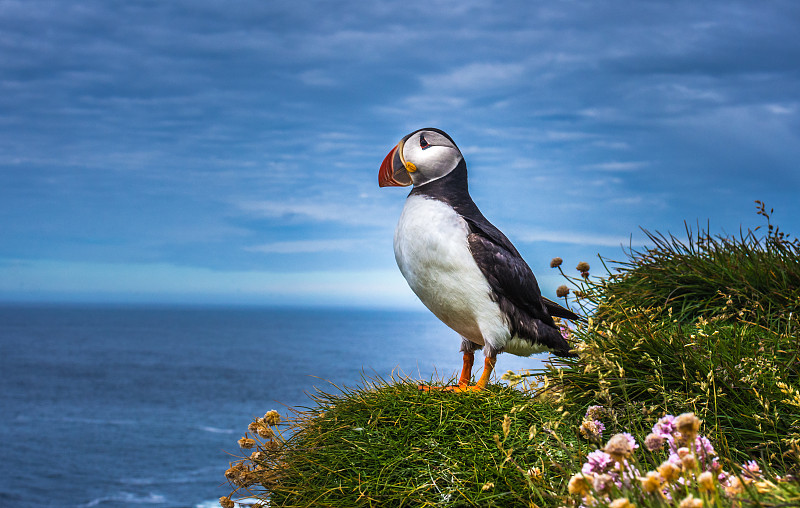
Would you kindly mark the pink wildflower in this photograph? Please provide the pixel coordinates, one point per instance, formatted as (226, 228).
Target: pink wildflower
(597, 462)
(624, 474)
(631, 440)
(594, 412)
(665, 427)
(751, 467)
(703, 446)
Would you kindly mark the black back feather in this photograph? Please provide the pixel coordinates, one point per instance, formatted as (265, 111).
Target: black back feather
(514, 287)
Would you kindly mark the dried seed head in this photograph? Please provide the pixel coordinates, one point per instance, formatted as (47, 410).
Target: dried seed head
(265, 432)
(556, 262)
(669, 471)
(618, 447)
(562, 291)
(706, 481)
(691, 502)
(487, 486)
(237, 475)
(271, 446)
(592, 429)
(621, 502)
(689, 461)
(580, 484)
(602, 483)
(258, 456)
(247, 443)
(506, 425)
(272, 417)
(653, 442)
(688, 425)
(651, 482)
(235, 470)
(226, 502)
(253, 427)
(583, 266)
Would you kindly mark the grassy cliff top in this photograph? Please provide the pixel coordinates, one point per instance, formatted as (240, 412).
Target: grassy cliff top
(705, 328)
(391, 444)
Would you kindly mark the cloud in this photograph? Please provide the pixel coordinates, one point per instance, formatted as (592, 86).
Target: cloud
(618, 166)
(474, 77)
(782, 109)
(317, 77)
(571, 237)
(305, 246)
(343, 211)
(568, 136)
(612, 145)
(190, 132)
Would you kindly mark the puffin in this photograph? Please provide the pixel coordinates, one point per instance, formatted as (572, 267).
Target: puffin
(462, 268)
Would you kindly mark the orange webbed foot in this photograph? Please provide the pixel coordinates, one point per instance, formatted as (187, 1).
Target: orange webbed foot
(463, 382)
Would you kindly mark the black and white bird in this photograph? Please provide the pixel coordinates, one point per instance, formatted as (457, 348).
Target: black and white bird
(462, 267)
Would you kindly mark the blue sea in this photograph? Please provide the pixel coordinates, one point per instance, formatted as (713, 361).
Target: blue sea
(140, 405)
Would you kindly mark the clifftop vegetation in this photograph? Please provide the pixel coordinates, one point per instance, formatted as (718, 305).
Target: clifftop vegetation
(704, 327)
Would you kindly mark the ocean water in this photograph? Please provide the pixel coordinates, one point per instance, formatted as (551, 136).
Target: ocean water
(139, 406)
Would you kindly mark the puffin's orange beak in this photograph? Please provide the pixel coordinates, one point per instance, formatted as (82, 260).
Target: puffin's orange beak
(393, 171)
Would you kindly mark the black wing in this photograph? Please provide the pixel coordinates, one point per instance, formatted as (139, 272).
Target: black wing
(514, 286)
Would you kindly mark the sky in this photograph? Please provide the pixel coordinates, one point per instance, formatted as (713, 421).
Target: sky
(198, 151)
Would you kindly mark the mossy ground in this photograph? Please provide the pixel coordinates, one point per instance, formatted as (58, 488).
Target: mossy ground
(392, 444)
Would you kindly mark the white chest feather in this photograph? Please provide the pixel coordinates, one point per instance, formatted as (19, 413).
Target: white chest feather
(431, 249)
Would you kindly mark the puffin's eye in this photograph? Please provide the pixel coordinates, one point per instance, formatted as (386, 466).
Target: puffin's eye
(423, 143)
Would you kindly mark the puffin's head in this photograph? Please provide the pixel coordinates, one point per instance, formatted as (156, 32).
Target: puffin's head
(421, 157)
